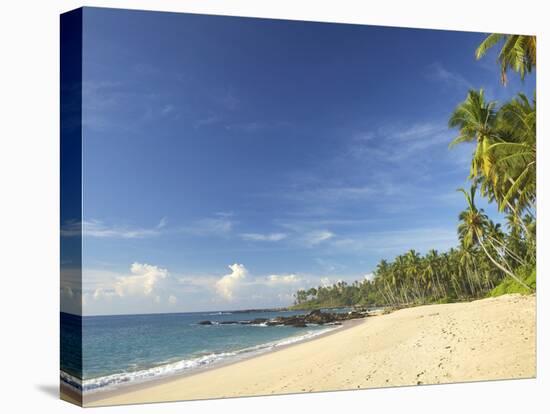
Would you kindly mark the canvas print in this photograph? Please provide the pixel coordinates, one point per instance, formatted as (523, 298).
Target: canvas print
(259, 207)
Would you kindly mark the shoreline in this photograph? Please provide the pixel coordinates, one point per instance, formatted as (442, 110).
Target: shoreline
(487, 339)
(123, 389)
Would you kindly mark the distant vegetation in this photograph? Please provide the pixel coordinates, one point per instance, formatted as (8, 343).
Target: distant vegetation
(490, 260)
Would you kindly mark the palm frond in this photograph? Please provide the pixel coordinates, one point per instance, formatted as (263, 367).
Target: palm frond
(490, 41)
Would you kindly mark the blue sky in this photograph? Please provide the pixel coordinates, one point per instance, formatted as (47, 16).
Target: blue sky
(230, 161)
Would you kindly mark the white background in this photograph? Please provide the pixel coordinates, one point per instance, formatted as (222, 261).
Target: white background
(29, 207)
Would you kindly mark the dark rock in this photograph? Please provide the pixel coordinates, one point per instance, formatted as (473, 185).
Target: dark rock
(355, 315)
(300, 321)
(258, 321)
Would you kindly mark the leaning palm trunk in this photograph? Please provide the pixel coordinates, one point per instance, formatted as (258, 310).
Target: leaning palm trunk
(505, 249)
(390, 295)
(520, 219)
(386, 298)
(505, 270)
(439, 288)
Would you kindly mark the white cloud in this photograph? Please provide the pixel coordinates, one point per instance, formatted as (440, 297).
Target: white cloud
(101, 293)
(105, 98)
(438, 72)
(148, 288)
(98, 229)
(417, 131)
(140, 282)
(314, 238)
(229, 283)
(369, 276)
(263, 237)
(285, 279)
(326, 282)
(220, 225)
(397, 143)
(209, 120)
(162, 223)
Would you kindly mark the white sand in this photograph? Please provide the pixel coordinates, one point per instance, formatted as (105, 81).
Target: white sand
(487, 339)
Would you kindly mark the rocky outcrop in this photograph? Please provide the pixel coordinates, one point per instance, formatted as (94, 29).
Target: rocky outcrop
(258, 321)
(315, 317)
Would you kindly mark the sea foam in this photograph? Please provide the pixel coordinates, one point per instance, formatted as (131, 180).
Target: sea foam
(118, 380)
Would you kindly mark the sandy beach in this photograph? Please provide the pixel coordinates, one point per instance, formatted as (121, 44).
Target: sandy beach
(487, 339)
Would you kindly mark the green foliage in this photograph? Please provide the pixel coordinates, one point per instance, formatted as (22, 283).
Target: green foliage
(475, 118)
(518, 53)
(509, 285)
(341, 294)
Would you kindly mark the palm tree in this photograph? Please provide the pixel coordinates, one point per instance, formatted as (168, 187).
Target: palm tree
(472, 231)
(383, 273)
(412, 259)
(504, 160)
(515, 153)
(467, 261)
(476, 120)
(432, 271)
(519, 53)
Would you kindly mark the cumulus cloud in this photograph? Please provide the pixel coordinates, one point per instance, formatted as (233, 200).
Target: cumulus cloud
(229, 283)
(140, 282)
(172, 300)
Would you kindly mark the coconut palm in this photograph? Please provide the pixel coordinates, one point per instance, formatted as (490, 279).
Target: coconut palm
(515, 154)
(432, 271)
(467, 258)
(504, 160)
(476, 120)
(518, 53)
(472, 231)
